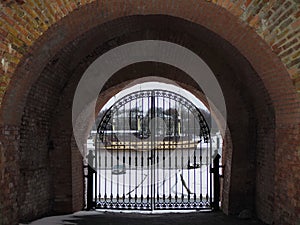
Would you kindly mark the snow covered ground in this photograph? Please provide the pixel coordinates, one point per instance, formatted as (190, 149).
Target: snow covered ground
(168, 182)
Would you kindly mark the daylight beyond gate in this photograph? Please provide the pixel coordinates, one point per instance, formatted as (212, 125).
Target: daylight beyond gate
(153, 151)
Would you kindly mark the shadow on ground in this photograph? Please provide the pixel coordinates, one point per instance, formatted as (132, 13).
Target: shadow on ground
(121, 218)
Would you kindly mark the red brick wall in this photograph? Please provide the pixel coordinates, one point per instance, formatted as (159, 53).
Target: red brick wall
(34, 191)
(264, 33)
(287, 175)
(77, 178)
(275, 22)
(261, 18)
(9, 175)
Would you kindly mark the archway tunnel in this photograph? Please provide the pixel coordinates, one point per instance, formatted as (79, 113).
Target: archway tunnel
(43, 164)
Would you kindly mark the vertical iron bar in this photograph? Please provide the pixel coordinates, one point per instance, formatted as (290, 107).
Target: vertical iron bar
(111, 166)
(210, 162)
(207, 174)
(170, 156)
(182, 168)
(170, 127)
(124, 157)
(156, 145)
(195, 160)
(149, 189)
(95, 176)
(152, 151)
(189, 161)
(163, 148)
(118, 164)
(98, 147)
(136, 163)
(201, 181)
(130, 165)
(105, 177)
(142, 157)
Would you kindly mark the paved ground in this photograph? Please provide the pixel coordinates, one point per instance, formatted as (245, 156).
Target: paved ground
(123, 218)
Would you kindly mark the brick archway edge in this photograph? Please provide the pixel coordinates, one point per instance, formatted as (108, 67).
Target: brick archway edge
(25, 68)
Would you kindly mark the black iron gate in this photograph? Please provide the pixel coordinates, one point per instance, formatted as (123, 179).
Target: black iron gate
(153, 151)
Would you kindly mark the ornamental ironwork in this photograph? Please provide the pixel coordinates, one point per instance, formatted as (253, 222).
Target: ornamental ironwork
(153, 150)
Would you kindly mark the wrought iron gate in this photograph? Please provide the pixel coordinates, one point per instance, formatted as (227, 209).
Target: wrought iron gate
(153, 151)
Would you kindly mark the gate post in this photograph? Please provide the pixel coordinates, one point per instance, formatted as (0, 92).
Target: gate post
(216, 177)
(90, 180)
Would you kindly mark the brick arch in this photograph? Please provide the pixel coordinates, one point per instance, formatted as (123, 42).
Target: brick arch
(121, 80)
(53, 30)
(219, 66)
(275, 22)
(236, 190)
(271, 70)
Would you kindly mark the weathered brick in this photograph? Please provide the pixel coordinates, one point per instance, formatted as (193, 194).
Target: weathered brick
(296, 24)
(38, 31)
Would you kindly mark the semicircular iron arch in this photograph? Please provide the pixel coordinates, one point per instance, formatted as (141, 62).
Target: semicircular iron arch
(204, 124)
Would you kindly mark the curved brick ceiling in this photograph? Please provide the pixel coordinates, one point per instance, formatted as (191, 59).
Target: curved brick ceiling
(23, 22)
